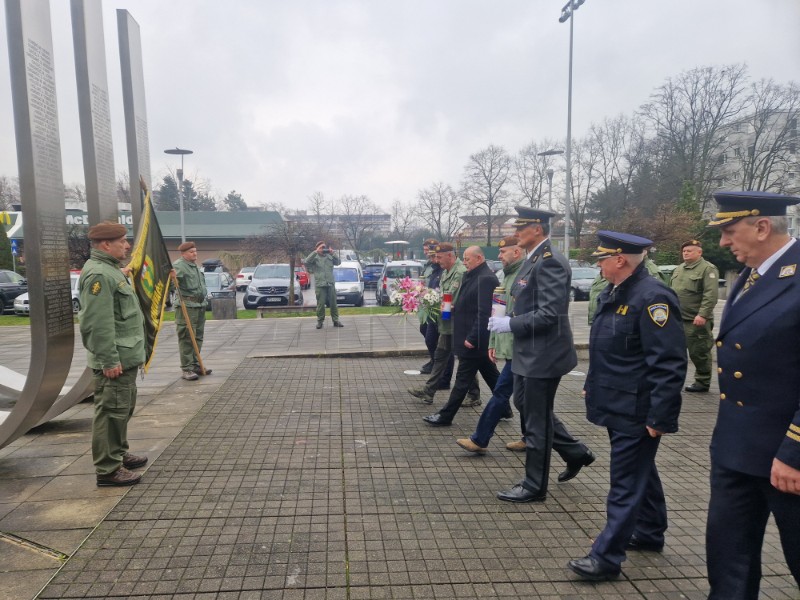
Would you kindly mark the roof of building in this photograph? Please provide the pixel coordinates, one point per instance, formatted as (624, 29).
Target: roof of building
(216, 224)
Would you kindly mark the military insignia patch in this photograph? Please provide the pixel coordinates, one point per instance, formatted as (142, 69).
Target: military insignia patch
(659, 313)
(712, 276)
(535, 258)
(547, 255)
(787, 271)
(95, 288)
(522, 283)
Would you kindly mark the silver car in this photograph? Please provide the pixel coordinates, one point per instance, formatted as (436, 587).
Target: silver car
(270, 287)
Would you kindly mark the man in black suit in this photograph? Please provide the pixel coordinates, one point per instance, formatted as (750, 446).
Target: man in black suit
(755, 448)
(637, 365)
(470, 334)
(543, 353)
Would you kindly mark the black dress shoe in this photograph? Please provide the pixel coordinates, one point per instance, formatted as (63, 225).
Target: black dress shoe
(636, 544)
(507, 416)
(437, 420)
(589, 568)
(520, 494)
(426, 370)
(697, 388)
(573, 469)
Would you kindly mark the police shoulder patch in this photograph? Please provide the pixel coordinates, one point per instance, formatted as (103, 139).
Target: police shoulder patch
(96, 287)
(659, 313)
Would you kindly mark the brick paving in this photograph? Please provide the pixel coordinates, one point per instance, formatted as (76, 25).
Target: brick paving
(316, 478)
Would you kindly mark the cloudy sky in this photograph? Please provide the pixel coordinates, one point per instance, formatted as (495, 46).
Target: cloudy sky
(280, 99)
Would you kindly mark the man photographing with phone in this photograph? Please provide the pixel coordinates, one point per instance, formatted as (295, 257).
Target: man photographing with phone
(320, 263)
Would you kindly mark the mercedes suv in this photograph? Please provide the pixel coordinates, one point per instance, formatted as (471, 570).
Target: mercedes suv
(270, 287)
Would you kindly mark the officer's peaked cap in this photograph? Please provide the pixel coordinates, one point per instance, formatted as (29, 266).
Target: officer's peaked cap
(737, 205)
(531, 216)
(613, 243)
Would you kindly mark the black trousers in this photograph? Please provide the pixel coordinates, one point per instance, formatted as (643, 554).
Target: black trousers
(737, 518)
(468, 367)
(534, 399)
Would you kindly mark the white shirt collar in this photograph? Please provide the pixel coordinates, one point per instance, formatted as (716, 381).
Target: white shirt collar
(535, 248)
(765, 266)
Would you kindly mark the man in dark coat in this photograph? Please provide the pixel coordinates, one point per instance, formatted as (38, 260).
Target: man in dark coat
(755, 448)
(471, 312)
(543, 354)
(637, 365)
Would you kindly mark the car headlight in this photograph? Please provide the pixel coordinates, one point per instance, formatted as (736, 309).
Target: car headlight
(251, 289)
(353, 288)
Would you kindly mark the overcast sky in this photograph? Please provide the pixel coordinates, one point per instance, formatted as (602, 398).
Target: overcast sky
(280, 99)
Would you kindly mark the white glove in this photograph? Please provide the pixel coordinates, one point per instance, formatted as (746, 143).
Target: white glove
(500, 324)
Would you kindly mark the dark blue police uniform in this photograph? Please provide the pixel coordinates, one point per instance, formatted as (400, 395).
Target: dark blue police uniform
(637, 365)
(758, 354)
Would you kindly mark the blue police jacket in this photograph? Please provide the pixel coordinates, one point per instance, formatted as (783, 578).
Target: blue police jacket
(637, 357)
(758, 354)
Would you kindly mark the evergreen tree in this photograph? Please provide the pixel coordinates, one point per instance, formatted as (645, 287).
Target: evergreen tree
(6, 260)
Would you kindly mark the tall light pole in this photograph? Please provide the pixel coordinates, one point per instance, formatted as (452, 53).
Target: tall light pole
(549, 172)
(182, 153)
(567, 14)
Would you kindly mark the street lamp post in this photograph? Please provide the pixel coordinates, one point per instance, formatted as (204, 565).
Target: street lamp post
(182, 152)
(549, 172)
(567, 13)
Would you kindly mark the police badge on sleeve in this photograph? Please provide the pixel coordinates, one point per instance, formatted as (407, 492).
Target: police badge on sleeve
(659, 313)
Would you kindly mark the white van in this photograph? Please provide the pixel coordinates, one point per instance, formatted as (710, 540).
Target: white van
(349, 282)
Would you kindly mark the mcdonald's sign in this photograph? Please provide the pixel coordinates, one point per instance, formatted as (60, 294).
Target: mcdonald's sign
(5, 218)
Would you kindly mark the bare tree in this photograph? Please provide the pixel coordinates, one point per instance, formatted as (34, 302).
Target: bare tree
(75, 192)
(9, 192)
(689, 114)
(529, 172)
(770, 130)
(438, 208)
(357, 219)
(322, 210)
(404, 219)
(585, 159)
(123, 187)
(485, 188)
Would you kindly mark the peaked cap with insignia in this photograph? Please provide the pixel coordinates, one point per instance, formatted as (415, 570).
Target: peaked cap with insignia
(613, 243)
(531, 216)
(734, 206)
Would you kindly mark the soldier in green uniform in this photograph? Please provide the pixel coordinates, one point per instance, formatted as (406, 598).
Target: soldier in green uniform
(696, 282)
(320, 263)
(112, 331)
(192, 286)
(450, 282)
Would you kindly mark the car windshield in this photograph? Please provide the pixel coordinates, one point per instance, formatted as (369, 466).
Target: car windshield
(399, 271)
(584, 273)
(212, 281)
(373, 268)
(345, 274)
(247, 269)
(272, 272)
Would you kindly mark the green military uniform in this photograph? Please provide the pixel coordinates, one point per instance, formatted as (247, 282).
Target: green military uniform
(422, 312)
(193, 295)
(697, 287)
(112, 331)
(653, 269)
(321, 266)
(450, 284)
(503, 343)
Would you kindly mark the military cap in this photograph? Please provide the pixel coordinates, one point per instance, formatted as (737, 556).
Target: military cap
(445, 247)
(691, 243)
(613, 243)
(531, 216)
(430, 242)
(186, 246)
(319, 243)
(507, 242)
(737, 205)
(107, 230)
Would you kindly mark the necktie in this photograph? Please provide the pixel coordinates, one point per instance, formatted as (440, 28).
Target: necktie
(751, 281)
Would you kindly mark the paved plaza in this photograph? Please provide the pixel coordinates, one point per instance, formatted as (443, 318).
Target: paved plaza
(302, 469)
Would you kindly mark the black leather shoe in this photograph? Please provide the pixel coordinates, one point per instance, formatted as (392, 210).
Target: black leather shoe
(573, 469)
(507, 416)
(443, 387)
(319, 324)
(520, 494)
(337, 324)
(636, 544)
(426, 370)
(696, 388)
(436, 420)
(588, 568)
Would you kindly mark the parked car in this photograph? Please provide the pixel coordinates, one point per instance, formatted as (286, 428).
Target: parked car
(218, 282)
(495, 266)
(349, 283)
(270, 287)
(214, 265)
(22, 305)
(11, 285)
(244, 277)
(392, 271)
(372, 274)
(582, 278)
(303, 277)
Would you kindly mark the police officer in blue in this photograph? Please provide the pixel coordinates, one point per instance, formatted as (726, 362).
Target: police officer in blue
(637, 365)
(755, 447)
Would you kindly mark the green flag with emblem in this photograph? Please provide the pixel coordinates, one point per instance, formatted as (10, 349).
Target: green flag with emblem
(150, 268)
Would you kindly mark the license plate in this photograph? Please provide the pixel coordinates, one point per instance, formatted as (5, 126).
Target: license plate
(273, 299)
(339, 297)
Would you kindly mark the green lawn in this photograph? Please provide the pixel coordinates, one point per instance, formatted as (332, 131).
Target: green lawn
(8, 320)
